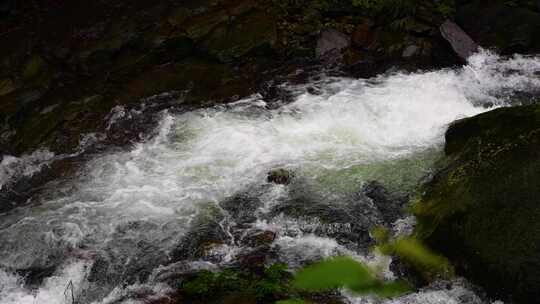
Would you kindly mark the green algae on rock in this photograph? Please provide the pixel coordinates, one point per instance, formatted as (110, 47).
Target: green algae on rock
(482, 208)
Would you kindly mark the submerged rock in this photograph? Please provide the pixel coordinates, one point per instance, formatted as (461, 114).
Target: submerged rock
(279, 176)
(259, 238)
(482, 208)
(390, 205)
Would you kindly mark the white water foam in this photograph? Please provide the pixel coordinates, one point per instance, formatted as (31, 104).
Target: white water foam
(60, 288)
(12, 167)
(150, 195)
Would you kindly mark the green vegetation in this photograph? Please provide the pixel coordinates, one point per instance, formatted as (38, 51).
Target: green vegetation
(414, 253)
(267, 286)
(344, 272)
(276, 282)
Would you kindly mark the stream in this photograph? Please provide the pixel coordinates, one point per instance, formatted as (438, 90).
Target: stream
(190, 196)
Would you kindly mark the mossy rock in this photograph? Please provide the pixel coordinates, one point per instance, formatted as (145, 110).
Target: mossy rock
(239, 285)
(482, 208)
(54, 125)
(248, 33)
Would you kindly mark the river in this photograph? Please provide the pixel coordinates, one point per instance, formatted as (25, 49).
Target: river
(128, 218)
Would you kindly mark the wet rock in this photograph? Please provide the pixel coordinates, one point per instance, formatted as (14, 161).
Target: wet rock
(404, 271)
(259, 238)
(125, 258)
(482, 209)
(330, 44)
(462, 44)
(174, 274)
(241, 207)
(347, 223)
(391, 205)
(255, 259)
(198, 240)
(279, 176)
(410, 51)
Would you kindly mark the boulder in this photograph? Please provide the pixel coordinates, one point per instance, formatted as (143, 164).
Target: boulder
(279, 176)
(410, 51)
(259, 238)
(462, 44)
(482, 208)
(331, 42)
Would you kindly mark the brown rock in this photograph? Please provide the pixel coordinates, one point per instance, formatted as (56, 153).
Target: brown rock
(260, 238)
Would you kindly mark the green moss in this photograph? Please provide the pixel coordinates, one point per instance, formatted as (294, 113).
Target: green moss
(269, 285)
(482, 208)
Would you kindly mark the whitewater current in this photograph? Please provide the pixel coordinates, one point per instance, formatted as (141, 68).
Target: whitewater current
(127, 211)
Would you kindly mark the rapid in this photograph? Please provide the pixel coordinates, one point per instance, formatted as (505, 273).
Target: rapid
(130, 219)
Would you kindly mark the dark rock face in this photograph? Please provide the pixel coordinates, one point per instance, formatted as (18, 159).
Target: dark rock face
(462, 44)
(241, 207)
(362, 36)
(390, 205)
(65, 65)
(482, 209)
(510, 29)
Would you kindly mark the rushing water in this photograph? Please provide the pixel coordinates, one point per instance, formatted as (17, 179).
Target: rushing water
(112, 233)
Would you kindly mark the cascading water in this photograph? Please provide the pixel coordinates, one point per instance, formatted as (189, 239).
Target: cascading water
(115, 231)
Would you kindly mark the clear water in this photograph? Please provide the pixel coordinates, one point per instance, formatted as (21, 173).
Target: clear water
(132, 208)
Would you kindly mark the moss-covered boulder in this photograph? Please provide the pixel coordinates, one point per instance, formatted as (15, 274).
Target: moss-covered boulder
(483, 208)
